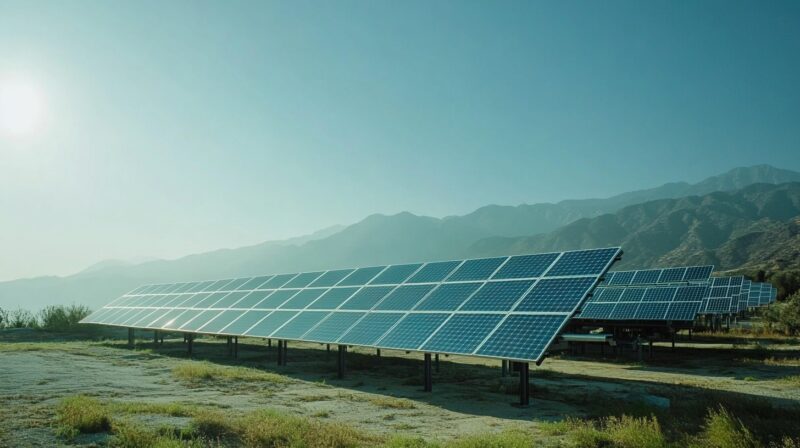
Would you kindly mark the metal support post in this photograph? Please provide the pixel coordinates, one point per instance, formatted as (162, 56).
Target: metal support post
(340, 361)
(436, 362)
(130, 337)
(524, 385)
(428, 381)
(236, 347)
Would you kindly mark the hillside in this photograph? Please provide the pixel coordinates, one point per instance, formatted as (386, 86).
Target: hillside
(407, 237)
(754, 227)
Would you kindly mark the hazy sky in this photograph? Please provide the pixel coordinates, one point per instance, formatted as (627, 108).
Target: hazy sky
(182, 126)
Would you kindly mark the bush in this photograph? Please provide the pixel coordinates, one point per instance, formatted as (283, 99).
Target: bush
(19, 319)
(723, 430)
(62, 318)
(785, 316)
(618, 432)
(82, 415)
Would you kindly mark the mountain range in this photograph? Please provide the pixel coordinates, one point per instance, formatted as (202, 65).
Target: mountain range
(746, 217)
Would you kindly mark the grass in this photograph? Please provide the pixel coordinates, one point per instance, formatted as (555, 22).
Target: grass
(616, 432)
(723, 430)
(392, 403)
(793, 380)
(81, 415)
(204, 371)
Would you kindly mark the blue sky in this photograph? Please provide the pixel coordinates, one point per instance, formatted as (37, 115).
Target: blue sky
(183, 126)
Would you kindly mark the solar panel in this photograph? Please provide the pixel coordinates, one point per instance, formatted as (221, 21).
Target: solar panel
(644, 303)
(681, 274)
(509, 307)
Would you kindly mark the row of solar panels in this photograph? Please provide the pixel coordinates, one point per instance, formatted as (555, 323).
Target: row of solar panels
(504, 307)
(625, 297)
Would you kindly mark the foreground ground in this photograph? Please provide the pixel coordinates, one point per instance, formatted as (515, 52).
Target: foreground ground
(159, 388)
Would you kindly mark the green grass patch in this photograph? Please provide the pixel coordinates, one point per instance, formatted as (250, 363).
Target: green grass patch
(81, 415)
(616, 432)
(204, 371)
(723, 430)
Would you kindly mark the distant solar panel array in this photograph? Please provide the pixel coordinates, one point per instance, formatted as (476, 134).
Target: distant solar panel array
(502, 307)
(652, 303)
(685, 274)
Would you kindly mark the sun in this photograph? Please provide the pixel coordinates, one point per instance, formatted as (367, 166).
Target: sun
(21, 107)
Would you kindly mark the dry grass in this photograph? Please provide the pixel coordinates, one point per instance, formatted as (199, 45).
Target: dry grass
(81, 415)
(204, 371)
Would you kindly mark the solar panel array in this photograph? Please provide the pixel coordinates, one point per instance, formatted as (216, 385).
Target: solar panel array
(504, 307)
(683, 274)
(651, 303)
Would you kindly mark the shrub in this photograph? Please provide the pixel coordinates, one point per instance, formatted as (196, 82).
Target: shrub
(80, 415)
(723, 430)
(20, 319)
(620, 432)
(62, 318)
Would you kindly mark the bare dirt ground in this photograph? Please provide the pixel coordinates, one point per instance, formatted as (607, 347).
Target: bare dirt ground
(379, 395)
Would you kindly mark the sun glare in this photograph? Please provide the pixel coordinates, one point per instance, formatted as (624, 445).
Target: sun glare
(21, 107)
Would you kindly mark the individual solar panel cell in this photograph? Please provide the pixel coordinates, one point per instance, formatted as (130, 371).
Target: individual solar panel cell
(646, 277)
(120, 318)
(526, 266)
(221, 321)
(269, 324)
(276, 299)
(219, 285)
(181, 320)
(597, 311)
(333, 298)
(131, 318)
(230, 299)
(698, 273)
(200, 286)
(497, 296)
(179, 299)
(412, 331)
(682, 311)
(331, 278)
(448, 296)
(672, 275)
(607, 294)
(480, 269)
(404, 297)
(194, 300)
(278, 281)
(333, 327)
(585, 262)
(210, 300)
(395, 274)
(245, 322)
(300, 324)
(370, 328)
(145, 319)
(624, 311)
(145, 300)
(462, 333)
(522, 337)
(632, 294)
(302, 299)
(252, 299)
(254, 283)
(720, 281)
(434, 272)
(361, 276)
(556, 295)
(622, 278)
(200, 320)
(160, 320)
(691, 293)
(659, 294)
(651, 311)
(302, 280)
(366, 298)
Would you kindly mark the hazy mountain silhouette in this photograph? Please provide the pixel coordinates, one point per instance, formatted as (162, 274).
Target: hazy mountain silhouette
(654, 232)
